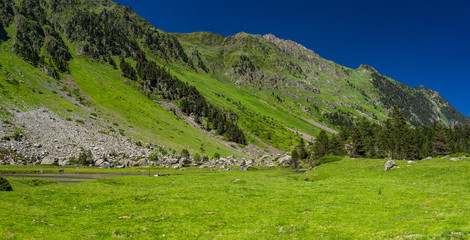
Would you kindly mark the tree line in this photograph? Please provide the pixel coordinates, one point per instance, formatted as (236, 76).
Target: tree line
(395, 138)
(158, 81)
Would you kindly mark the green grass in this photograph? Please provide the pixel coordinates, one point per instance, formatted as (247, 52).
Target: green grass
(349, 199)
(129, 107)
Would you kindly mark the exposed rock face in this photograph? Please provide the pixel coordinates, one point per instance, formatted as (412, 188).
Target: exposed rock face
(389, 165)
(48, 161)
(47, 138)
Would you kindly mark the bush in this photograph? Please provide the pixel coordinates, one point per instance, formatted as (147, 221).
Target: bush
(197, 157)
(216, 155)
(456, 155)
(329, 159)
(85, 158)
(185, 153)
(5, 185)
(153, 157)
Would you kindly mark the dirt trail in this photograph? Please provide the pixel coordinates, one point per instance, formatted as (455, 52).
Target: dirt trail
(320, 126)
(270, 148)
(249, 150)
(303, 135)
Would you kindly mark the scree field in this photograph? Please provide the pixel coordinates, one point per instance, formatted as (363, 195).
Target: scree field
(349, 199)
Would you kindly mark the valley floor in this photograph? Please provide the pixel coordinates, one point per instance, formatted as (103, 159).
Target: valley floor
(350, 199)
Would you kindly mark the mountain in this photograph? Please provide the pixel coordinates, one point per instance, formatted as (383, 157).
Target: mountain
(93, 75)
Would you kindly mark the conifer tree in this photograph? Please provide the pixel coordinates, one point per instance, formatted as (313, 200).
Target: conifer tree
(321, 146)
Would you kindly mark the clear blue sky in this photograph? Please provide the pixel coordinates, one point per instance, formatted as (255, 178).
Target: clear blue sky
(415, 42)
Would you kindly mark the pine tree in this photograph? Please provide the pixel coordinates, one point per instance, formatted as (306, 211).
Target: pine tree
(440, 142)
(321, 146)
(336, 146)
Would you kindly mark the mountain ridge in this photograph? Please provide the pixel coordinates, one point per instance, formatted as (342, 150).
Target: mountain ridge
(262, 88)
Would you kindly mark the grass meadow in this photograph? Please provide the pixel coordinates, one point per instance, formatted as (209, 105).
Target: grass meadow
(350, 199)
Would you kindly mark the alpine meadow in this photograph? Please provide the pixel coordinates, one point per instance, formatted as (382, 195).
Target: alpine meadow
(113, 128)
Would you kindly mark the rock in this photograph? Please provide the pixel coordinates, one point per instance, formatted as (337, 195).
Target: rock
(202, 166)
(37, 145)
(105, 165)
(185, 161)
(454, 159)
(99, 161)
(61, 170)
(244, 168)
(40, 171)
(285, 160)
(64, 162)
(410, 162)
(48, 161)
(389, 165)
(428, 158)
(236, 180)
(463, 157)
(178, 165)
(142, 162)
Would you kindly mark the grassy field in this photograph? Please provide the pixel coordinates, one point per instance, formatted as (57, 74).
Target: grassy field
(350, 199)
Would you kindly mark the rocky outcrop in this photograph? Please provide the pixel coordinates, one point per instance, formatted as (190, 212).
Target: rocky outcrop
(50, 140)
(389, 165)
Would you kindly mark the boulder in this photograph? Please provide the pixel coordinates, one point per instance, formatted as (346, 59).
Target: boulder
(285, 160)
(48, 161)
(61, 170)
(389, 165)
(64, 162)
(244, 168)
(40, 171)
(463, 157)
(105, 165)
(454, 159)
(99, 161)
(142, 163)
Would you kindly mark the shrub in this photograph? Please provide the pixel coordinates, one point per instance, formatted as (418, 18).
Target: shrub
(153, 157)
(185, 153)
(456, 155)
(197, 157)
(163, 151)
(216, 155)
(85, 158)
(5, 185)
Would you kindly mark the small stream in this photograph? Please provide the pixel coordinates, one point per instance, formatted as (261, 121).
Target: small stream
(67, 177)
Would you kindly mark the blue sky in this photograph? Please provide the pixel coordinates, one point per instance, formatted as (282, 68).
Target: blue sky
(415, 42)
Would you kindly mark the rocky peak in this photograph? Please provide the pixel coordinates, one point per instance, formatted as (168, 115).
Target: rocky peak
(367, 68)
(290, 47)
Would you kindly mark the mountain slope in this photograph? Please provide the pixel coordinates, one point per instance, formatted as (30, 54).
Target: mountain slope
(291, 70)
(100, 66)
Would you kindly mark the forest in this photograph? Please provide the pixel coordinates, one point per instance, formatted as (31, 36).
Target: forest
(395, 138)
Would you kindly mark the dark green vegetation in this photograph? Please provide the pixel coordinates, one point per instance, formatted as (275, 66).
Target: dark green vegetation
(393, 139)
(246, 88)
(5, 185)
(349, 199)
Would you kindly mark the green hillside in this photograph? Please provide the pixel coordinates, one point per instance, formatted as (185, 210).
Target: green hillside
(247, 94)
